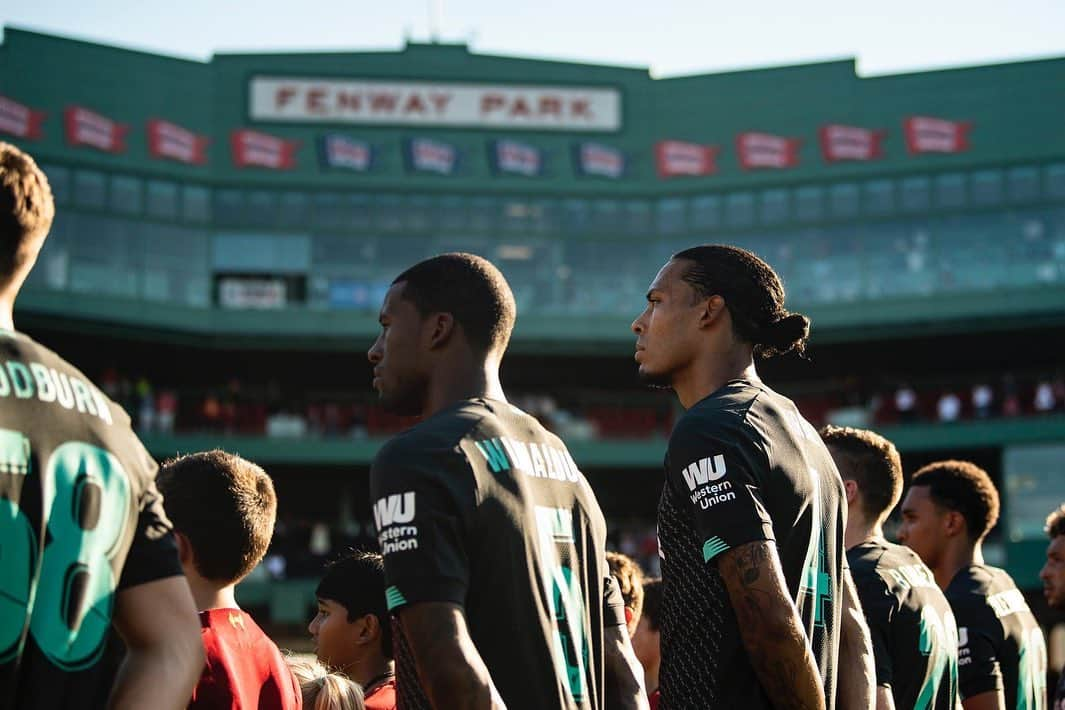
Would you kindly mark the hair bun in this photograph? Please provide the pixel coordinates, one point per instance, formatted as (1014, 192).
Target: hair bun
(782, 336)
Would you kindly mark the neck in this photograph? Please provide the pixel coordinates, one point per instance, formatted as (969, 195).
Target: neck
(956, 558)
(710, 373)
(208, 595)
(859, 530)
(469, 378)
(369, 670)
(650, 676)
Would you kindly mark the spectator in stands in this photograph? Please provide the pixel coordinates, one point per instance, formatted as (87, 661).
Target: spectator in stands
(223, 509)
(352, 630)
(983, 400)
(629, 578)
(145, 406)
(646, 640)
(166, 411)
(1043, 402)
(1011, 402)
(948, 408)
(906, 403)
(323, 690)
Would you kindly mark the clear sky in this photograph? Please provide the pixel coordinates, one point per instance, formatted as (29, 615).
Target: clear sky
(669, 36)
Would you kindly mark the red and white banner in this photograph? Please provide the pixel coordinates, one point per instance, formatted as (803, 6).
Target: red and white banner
(839, 142)
(679, 158)
(85, 127)
(261, 150)
(925, 134)
(764, 150)
(20, 120)
(170, 141)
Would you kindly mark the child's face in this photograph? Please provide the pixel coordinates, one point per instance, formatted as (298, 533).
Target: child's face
(335, 638)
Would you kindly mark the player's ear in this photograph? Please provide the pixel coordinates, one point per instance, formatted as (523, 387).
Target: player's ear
(711, 310)
(954, 523)
(851, 488)
(369, 629)
(439, 327)
(184, 548)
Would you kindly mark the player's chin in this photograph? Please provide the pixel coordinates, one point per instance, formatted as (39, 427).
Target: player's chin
(654, 378)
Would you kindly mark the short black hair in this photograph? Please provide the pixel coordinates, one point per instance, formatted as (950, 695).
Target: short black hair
(652, 602)
(753, 293)
(1056, 523)
(471, 289)
(872, 461)
(356, 581)
(964, 487)
(26, 208)
(225, 506)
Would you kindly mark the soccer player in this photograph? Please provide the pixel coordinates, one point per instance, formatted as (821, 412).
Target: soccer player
(492, 538)
(223, 508)
(1002, 658)
(629, 578)
(84, 541)
(646, 640)
(755, 607)
(352, 630)
(1053, 577)
(915, 640)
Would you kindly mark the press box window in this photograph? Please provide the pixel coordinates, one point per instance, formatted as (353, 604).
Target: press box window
(739, 209)
(294, 209)
(1023, 184)
(843, 200)
(196, 203)
(671, 216)
(879, 197)
(985, 188)
(161, 199)
(1055, 181)
(809, 204)
(916, 194)
(775, 207)
(90, 188)
(950, 191)
(706, 212)
(229, 207)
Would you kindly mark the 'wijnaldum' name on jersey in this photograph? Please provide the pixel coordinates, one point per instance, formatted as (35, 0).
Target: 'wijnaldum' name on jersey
(537, 460)
(27, 380)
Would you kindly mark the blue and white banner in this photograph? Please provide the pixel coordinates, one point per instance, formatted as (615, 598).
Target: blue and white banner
(510, 157)
(598, 160)
(339, 151)
(427, 155)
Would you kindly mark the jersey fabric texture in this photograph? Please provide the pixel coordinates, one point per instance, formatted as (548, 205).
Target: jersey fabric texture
(244, 668)
(915, 639)
(80, 519)
(480, 506)
(1000, 644)
(744, 466)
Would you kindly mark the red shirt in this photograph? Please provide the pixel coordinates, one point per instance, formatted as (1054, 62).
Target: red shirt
(655, 698)
(383, 697)
(244, 668)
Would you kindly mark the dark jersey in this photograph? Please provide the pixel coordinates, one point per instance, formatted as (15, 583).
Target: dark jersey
(480, 506)
(1000, 644)
(80, 519)
(744, 466)
(915, 640)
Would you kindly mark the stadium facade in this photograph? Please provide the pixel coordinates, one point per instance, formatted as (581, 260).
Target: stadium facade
(261, 203)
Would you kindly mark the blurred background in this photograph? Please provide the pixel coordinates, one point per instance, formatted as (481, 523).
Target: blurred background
(227, 226)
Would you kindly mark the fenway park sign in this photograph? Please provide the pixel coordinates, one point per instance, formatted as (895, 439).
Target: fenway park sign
(309, 100)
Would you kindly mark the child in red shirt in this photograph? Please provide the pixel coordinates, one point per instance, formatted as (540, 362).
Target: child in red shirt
(223, 510)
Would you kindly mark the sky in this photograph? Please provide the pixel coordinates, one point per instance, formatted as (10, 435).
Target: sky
(671, 37)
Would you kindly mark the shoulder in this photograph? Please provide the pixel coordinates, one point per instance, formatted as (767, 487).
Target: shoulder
(435, 439)
(864, 559)
(969, 590)
(722, 415)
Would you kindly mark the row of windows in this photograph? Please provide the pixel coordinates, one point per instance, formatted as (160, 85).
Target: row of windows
(393, 213)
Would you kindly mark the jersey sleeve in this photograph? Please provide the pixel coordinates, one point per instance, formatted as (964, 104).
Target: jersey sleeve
(978, 663)
(613, 602)
(422, 502)
(712, 470)
(879, 608)
(153, 553)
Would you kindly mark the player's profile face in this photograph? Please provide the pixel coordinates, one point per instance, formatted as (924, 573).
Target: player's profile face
(335, 638)
(666, 331)
(922, 524)
(396, 356)
(1053, 573)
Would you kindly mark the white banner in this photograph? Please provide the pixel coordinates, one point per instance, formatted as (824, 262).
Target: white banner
(309, 100)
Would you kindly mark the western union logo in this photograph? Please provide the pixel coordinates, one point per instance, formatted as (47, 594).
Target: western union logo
(704, 470)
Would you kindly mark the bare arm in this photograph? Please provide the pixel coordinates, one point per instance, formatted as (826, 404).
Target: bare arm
(437, 632)
(856, 688)
(884, 699)
(770, 626)
(624, 675)
(991, 700)
(164, 653)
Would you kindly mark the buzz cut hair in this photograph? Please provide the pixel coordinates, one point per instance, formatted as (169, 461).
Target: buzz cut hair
(872, 462)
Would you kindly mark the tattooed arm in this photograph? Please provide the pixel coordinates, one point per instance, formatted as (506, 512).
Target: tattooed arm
(450, 669)
(770, 626)
(856, 686)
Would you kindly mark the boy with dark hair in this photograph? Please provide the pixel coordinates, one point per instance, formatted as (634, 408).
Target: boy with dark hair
(352, 630)
(1002, 658)
(915, 639)
(1053, 577)
(646, 640)
(84, 541)
(484, 520)
(224, 508)
(757, 606)
(629, 577)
